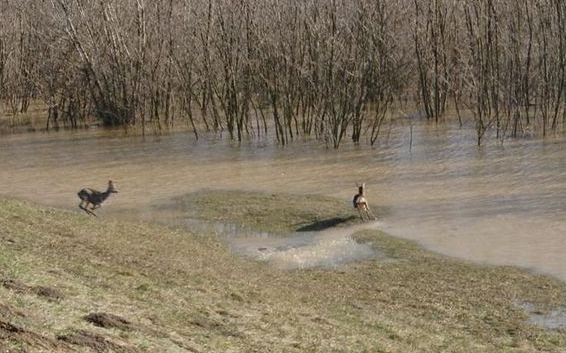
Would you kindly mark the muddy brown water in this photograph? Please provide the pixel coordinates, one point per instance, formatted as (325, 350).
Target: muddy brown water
(494, 204)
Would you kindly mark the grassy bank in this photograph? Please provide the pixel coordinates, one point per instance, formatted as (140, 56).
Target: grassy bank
(70, 282)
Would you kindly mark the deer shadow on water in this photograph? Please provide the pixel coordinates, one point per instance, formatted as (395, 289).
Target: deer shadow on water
(327, 223)
(360, 204)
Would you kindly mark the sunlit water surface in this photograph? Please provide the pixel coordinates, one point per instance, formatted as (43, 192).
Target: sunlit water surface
(494, 204)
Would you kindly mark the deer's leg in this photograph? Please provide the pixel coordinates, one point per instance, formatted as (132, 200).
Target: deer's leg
(82, 205)
(360, 213)
(364, 212)
(93, 206)
(371, 214)
(85, 207)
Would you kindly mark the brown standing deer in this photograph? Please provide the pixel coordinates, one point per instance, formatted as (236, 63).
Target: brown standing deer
(94, 197)
(362, 205)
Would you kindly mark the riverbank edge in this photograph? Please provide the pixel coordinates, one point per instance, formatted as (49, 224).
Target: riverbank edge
(185, 291)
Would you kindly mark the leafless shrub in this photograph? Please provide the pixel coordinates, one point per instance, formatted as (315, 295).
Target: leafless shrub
(328, 69)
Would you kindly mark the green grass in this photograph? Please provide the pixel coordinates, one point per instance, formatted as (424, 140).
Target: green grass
(183, 291)
(267, 212)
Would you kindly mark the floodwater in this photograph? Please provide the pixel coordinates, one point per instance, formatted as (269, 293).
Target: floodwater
(328, 248)
(493, 204)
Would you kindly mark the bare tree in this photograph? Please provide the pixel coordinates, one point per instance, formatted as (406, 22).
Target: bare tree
(327, 69)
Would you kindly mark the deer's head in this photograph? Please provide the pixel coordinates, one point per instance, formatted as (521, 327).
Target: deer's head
(111, 187)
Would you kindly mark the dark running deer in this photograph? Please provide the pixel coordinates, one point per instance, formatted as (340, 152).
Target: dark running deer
(362, 205)
(94, 197)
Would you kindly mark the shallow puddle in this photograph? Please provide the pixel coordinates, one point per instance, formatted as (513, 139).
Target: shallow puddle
(302, 250)
(552, 320)
(294, 250)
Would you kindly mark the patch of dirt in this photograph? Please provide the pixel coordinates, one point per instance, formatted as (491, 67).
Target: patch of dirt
(186, 346)
(13, 285)
(8, 311)
(109, 321)
(8, 327)
(211, 325)
(45, 292)
(96, 342)
(16, 339)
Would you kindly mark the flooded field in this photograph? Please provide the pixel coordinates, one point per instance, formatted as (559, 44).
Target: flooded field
(494, 204)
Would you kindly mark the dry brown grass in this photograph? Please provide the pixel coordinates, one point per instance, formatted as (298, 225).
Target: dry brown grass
(182, 291)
